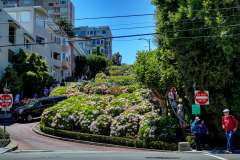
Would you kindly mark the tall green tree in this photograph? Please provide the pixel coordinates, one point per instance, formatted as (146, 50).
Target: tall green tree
(81, 65)
(203, 34)
(117, 59)
(96, 64)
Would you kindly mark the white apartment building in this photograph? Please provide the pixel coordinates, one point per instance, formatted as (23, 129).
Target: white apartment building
(56, 8)
(32, 25)
(11, 33)
(95, 37)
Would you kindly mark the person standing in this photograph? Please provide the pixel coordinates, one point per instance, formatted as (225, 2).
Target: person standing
(172, 96)
(180, 114)
(196, 130)
(17, 99)
(230, 125)
(204, 133)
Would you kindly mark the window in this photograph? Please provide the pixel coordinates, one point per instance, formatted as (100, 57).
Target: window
(50, 4)
(94, 42)
(103, 32)
(57, 40)
(63, 56)
(63, 11)
(91, 32)
(10, 56)
(102, 41)
(25, 17)
(40, 40)
(82, 33)
(102, 50)
(12, 34)
(56, 56)
(63, 2)
(98, 41)
(28, 2)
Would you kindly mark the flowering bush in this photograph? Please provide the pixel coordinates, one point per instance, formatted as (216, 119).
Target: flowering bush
(125, 125)
(154, 127)
(113, 106)
(101, 125)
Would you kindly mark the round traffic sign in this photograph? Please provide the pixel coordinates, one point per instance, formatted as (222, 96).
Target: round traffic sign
(201, 97)
(6, 100)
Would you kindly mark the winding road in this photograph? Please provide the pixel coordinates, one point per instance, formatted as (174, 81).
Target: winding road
(26, 139)
(34, 146)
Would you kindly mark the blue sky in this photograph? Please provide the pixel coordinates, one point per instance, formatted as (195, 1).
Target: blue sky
(128, 47)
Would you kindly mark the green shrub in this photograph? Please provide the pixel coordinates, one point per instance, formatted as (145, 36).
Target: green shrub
(109, 139)
(101, 125)
(59, 91)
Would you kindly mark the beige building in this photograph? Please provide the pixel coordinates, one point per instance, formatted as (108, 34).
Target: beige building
(55, 8)
(32, 25)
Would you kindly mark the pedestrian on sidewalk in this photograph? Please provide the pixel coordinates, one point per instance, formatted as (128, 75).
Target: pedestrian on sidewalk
(204, 134)
(230, 125)
(196, 130)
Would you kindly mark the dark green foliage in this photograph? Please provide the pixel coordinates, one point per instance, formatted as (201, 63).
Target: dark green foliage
(81, 65)
(96, 64)
(28, 74)
(117, 59)
(206, 51)
(66, 26)
(157, 70)
(110, 140)
(90, 65)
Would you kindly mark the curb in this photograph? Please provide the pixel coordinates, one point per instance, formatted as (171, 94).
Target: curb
(12, 146)
(37, 130)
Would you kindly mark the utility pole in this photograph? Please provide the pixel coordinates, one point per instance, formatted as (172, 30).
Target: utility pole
(149, 42)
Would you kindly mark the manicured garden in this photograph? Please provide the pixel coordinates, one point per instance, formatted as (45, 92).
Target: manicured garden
(112, 109)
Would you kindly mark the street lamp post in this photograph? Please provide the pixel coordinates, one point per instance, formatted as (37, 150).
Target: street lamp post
(149, 42)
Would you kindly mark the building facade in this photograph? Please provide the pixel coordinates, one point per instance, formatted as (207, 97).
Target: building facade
(49, 41)
(11, 33)
(55, 8)
(94, 38)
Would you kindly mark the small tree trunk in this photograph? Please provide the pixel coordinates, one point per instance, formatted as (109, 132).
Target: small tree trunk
(162, 101)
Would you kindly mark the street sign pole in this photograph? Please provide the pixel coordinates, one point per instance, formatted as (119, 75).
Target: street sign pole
(6, 101)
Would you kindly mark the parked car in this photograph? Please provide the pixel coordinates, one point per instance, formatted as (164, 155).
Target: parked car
(35, 108)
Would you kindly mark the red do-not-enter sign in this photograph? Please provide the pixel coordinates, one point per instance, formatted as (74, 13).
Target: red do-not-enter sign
(202, 97)
(6, 100)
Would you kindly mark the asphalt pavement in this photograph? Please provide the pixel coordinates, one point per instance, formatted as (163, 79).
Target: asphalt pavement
(26, 139)
(112, 155)
(33, 146)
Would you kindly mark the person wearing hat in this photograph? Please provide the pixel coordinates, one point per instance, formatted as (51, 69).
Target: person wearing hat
(196, 130)
(230, 125)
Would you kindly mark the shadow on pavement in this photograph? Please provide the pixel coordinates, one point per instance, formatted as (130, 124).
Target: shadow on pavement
(222, 151)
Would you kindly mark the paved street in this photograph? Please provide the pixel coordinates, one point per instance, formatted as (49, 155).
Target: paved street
(34, 146)
(114, 155)
(29, 140)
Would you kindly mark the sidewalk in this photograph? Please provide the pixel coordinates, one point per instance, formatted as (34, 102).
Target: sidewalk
(10, 147)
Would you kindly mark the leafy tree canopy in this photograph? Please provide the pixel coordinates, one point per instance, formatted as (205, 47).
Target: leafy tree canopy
(28, 74)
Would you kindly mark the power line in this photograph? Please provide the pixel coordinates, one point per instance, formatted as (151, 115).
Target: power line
(124, 36)
(118, 16)
(130, 28)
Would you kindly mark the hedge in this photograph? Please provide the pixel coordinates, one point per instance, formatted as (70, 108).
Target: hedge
(109, 139)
